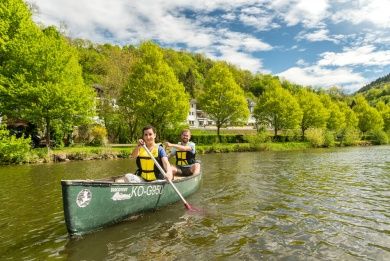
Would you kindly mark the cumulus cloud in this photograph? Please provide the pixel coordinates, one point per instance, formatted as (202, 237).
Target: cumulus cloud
(364, 55)
(307, 12)
(317, 36)
(242, 60)
(322, 77)
(375, 12)
(236, 31)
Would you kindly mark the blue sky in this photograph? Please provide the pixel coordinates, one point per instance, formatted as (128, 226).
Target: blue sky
(319, 43)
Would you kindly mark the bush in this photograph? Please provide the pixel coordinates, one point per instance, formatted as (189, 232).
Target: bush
(379, 137)
(315, 137)
(293, 135)
(213, 138)
(260, 137)
(329, 139)
(98, 136)
(12, 149)
(349, 137)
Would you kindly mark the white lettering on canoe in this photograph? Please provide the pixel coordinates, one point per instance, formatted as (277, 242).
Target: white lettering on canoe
(119, 189)
(136, 191)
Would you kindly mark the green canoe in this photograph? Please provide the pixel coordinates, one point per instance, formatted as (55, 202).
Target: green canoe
(92, 204)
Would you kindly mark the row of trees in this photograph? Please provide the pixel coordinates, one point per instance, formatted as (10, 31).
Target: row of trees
(48, 80)
(303, 108)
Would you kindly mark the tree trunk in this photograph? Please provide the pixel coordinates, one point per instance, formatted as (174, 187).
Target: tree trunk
(48, 134)
(218, 134)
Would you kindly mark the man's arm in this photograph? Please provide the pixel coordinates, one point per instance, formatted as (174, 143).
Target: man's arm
(178, 146)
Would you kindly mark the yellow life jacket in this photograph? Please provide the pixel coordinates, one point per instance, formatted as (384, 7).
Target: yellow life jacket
(146, 167)
(184, 158)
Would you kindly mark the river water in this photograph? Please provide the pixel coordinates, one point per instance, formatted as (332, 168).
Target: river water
(331, 204)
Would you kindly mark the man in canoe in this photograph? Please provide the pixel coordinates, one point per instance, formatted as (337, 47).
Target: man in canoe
(146, 166)
(184, 151)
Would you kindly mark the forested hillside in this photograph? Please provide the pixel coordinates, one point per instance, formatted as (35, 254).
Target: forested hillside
(376, 84)
(378, 90)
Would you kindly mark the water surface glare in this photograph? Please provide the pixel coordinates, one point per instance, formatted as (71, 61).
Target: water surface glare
(327, 204)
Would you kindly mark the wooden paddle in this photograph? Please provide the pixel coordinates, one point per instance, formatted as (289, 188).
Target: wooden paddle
(170, 181)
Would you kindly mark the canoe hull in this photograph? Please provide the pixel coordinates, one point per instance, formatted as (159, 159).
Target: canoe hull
(90, 205)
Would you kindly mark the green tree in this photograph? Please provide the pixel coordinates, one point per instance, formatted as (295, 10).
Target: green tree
(276, 107)
(223, 100)
(369, 117)
(261, 82)
(153, 94)
(384, 110)
(15, 22)
(40, 78)
(185, 67)
(336, 119)
(315, 114)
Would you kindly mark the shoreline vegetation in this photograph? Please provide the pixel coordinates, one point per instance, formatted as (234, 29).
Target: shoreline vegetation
(18, 151)
(123, 151)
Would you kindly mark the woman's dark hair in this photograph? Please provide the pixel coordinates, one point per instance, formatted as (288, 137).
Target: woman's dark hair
(147, 127)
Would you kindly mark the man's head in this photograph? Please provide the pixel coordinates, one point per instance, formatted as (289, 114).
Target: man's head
(185, 135)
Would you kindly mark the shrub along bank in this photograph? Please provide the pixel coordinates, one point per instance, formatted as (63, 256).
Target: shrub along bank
(17, 151)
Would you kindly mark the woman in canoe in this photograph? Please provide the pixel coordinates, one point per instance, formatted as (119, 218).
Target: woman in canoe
(146, 167)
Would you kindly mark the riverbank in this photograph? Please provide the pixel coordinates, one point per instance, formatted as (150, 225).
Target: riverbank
(116, 151)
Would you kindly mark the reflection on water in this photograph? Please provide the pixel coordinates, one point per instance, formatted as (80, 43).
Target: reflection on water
(317, 204)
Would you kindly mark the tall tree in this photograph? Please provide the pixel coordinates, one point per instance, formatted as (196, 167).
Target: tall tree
(384, 110)
(153, 95)
(315, 114)
(261, 82)
(336, 119)
(40, 76)
(369, 117)
(276, 107)
(223, 100)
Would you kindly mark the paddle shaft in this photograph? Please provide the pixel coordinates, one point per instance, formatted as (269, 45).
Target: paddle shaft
(165, 175)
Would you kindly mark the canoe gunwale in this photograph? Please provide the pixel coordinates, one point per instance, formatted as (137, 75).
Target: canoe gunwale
(107, 183)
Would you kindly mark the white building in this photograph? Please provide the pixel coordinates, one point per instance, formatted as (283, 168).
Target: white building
(197, 118)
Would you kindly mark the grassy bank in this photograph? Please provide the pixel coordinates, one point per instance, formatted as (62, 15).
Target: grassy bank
(124, 151)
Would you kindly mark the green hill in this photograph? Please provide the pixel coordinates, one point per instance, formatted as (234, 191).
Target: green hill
(378, 90)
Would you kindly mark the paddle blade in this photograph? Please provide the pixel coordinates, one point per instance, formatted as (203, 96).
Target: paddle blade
(191, 208)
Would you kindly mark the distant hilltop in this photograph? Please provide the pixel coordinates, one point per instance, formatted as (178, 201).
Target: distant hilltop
(377, 84)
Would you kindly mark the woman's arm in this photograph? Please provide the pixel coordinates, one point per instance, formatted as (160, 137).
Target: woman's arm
(167, 167)
(135, 152)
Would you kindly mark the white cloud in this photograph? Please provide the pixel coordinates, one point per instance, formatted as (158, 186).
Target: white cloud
(229, 17)
(322, 77)
(261, 23)
(317, 36)
(242, 60)
(211, 27)
(301, 62)
(372, 11)
(364, 55)
(309, 13)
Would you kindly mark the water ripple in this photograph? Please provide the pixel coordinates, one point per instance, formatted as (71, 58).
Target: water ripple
(331, 204)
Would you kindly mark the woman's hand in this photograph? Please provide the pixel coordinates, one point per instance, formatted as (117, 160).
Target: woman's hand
(141, 142)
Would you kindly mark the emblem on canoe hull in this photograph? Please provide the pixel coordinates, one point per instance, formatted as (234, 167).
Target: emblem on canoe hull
(83, 198)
